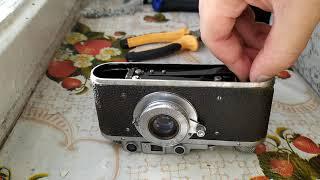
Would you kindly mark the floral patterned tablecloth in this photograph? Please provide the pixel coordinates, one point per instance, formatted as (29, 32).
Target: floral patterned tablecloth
(308, 64)
(58, 131)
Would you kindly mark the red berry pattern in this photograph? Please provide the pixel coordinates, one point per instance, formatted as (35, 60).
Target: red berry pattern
(306, 145)
(92, 47)
(260, 148)
(71, 83)
(282, 167)
(61, 69)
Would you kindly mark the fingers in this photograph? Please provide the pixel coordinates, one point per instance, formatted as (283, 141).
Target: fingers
(251, 52)
(262, 4)
(237, 47)
(253, 34)
(263, 28)
(287, 39)
(217, 21)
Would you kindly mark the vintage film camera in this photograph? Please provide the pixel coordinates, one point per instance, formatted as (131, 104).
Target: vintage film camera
(174, 108)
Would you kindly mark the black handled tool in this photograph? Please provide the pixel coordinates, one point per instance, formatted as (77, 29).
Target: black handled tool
(153, 53)
(187, 42)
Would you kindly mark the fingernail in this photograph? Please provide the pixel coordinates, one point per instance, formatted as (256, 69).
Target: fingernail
(262, 78)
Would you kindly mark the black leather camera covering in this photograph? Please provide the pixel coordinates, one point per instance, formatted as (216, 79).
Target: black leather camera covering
(241, 115)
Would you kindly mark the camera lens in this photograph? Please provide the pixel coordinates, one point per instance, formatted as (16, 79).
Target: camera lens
(163, 127)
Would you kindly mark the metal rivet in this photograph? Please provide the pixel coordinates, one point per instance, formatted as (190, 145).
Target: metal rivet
(123, 95)
(163, 71)
(216, 133)
(151, 71)
(127, 129)
(217, 78)
(219, 98)
(238, 143)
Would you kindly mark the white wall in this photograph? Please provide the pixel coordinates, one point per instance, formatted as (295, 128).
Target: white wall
(28, 38)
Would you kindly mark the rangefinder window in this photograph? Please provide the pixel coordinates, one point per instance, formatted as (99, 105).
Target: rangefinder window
(156, 148)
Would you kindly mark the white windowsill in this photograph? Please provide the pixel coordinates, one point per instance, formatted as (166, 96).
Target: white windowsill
(30, 31)
(8, 7)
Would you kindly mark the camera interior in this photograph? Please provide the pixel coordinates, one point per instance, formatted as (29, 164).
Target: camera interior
(167, 72)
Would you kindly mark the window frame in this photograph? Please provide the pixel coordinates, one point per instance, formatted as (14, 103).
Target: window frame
(8, 7)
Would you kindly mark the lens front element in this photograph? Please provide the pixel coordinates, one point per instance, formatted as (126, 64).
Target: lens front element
(163, 126)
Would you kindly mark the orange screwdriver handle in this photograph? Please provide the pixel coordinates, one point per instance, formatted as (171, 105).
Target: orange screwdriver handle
(188, 42)
(165, 37)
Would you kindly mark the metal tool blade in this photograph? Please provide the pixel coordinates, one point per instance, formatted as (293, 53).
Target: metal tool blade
(196, 33)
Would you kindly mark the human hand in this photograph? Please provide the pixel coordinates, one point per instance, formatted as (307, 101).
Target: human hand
(257, 50)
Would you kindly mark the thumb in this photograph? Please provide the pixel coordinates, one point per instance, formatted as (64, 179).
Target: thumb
(292, 28)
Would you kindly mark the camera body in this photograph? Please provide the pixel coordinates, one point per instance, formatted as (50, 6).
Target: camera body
(174, 108)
